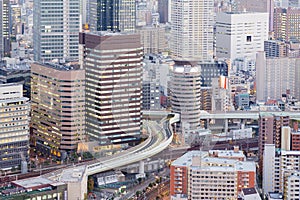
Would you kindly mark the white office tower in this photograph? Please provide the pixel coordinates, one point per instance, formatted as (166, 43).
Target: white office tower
(240, 35)
(192, 29)
(14, 126)
(56, 26)
(185, 89)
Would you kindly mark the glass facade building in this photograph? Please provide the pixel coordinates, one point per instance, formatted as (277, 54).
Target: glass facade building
(56, 25)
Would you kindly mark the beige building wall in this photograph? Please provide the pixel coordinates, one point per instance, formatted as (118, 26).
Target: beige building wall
(58, 108)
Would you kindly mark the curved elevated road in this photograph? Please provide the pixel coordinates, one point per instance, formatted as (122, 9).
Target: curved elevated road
(158, 140)
(160, 136)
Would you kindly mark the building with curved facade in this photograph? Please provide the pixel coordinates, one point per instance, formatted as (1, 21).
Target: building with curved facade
(185, 93)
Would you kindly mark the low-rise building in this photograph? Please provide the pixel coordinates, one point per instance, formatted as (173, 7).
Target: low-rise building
(204, 175)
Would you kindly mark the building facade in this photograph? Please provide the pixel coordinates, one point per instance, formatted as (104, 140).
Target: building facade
(275, 76)
(280, 168)
(192, 29)
(14, 126)
(112, 15)
(240, 34)
(201, 175)
(185, 91)
(153, 39)
(212, 70)
(56, 25)
(113, 67)
(4, 28)
(58, 108)
(286, 24)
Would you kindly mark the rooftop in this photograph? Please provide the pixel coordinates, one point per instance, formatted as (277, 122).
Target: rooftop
(34, 182)
(108, 33)
(249, 191)
(73, 174)
(191, 159)
(61, 67)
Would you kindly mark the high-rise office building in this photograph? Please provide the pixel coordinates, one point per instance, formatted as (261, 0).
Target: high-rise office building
(113, 67)
(4, 28)
(240, 34)
(56, 25)
(185, 91)
(58, 107)
(287, 24)
(192, 29)
(164, 9)
(112, 15)
(14, 126)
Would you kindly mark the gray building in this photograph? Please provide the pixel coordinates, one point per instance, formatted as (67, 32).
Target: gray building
(242, 100)
(212, 70)
(151, 95)
(112, 15)
(113, 67)
(275, 48)
(19, 74)
(56, 26)
(4, 28)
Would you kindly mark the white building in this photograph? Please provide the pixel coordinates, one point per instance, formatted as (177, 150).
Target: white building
(14, 126)
(277, 167)
(192, 29)
(185, 89)
(213, 175)
(56, 25)
(292, 186)
(240, 34)
(275, 76)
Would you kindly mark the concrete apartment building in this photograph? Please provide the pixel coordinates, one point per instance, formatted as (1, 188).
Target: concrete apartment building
(14, 126)
(286, 23)
(192, 29)
(204, 175)
(153, 39)
(58, 107)
(270, 131)
(113, 67)
(280, 168)
(240, 34)
(275, 76)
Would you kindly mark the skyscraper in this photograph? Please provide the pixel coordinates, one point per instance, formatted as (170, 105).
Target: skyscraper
(192, 29)
(56, 26)
(113, 15)
(58, 111)
(4, 27)
(113, 66)
(287, 24)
